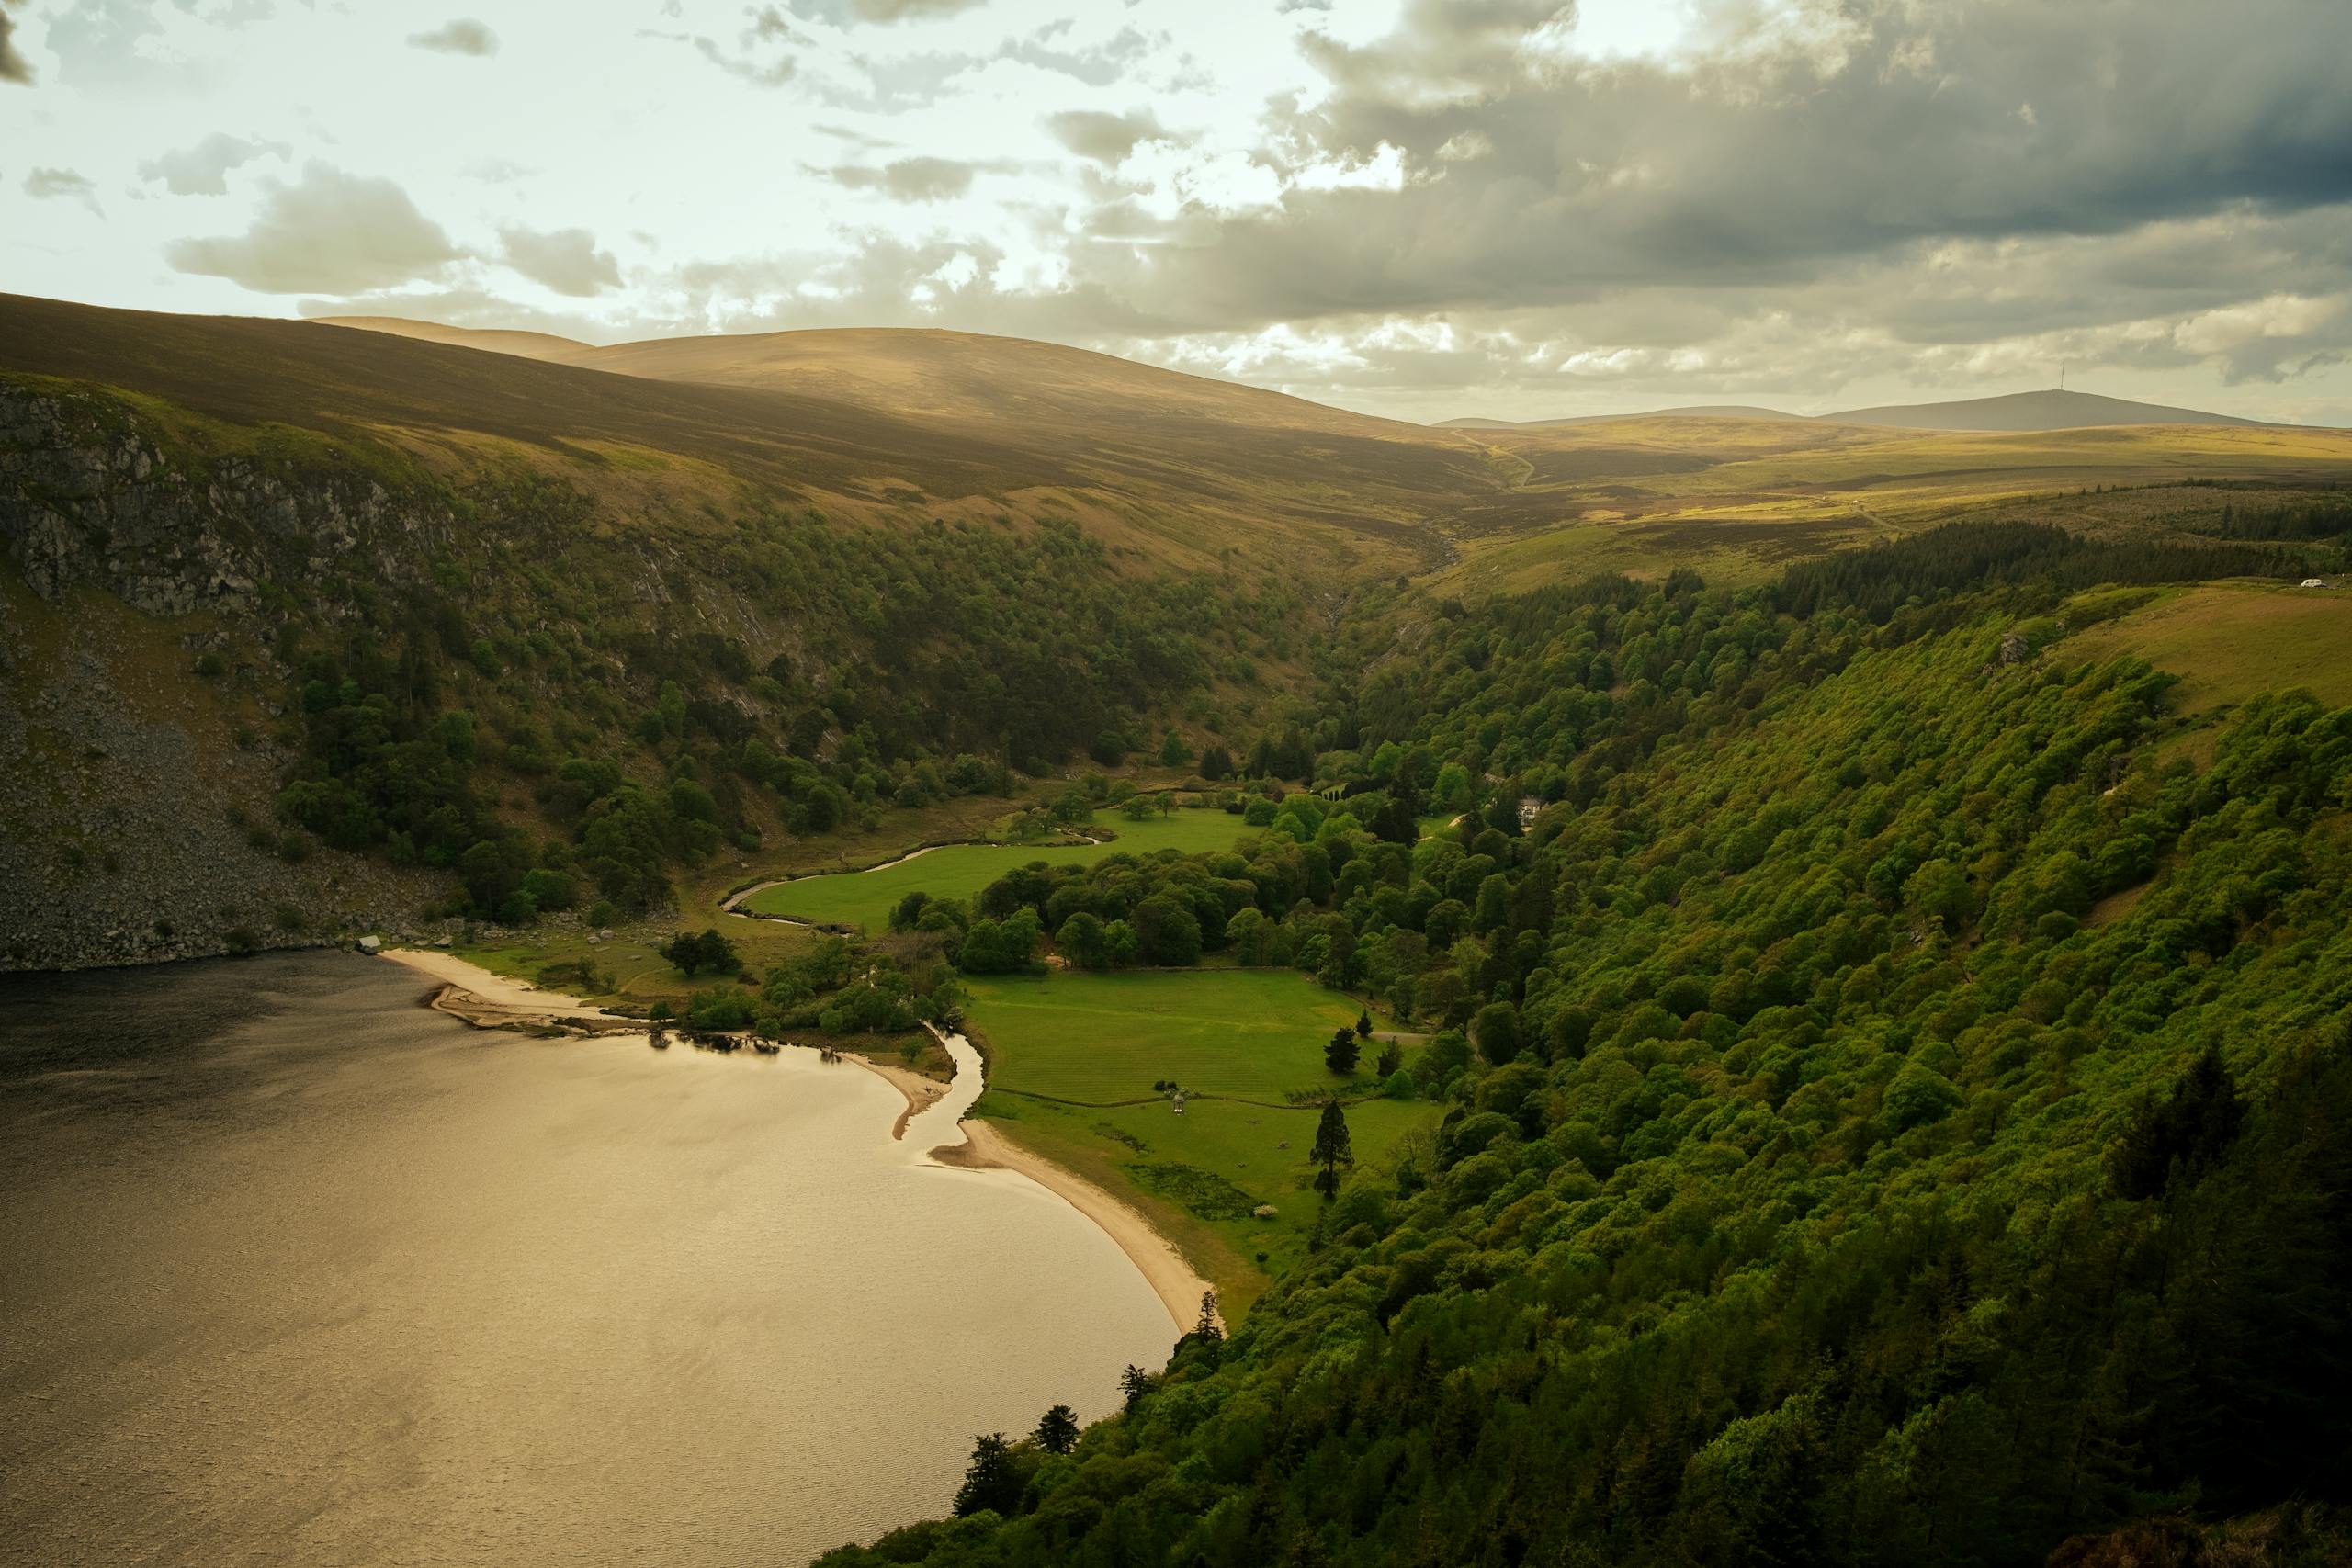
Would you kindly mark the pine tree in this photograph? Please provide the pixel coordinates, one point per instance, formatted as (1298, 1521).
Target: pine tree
(1333, 1148)
(1057, 1429)
(1342, 1052)
(991, 1481)
(1134, 1383)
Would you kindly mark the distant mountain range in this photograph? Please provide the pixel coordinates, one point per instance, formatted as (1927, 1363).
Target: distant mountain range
(2012, 412)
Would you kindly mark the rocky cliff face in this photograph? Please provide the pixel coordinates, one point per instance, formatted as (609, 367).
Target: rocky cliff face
(89, 495)
(136, 794)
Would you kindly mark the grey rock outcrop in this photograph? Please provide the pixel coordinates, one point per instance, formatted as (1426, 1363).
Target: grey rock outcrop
(137, 815)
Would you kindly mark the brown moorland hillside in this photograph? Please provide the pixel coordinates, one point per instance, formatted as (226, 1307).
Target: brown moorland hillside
(905, 425)
(1178, 468)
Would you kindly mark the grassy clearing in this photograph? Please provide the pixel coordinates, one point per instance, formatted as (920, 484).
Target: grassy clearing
(1201, 1176)
(865, 899)
(1254, 1034)
(2230, 641)
(1257, 1033)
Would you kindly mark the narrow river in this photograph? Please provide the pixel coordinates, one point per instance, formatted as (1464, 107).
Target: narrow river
(298, 1271)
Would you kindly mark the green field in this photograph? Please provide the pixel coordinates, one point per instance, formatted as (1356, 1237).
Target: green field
(1202, 1175)
(2229, 641)
(865, 898)
(1253, 1035)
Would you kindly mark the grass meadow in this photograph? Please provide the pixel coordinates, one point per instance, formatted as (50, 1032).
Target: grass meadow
(2229, 641)
(865, 899)
(1254, 1035)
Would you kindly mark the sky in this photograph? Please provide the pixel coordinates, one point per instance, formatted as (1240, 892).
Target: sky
(1419, 208)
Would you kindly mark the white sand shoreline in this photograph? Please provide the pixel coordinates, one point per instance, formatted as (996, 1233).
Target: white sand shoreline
(488, 999)
(1178, 1286)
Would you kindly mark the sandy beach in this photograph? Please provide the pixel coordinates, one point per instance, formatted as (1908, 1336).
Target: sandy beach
(1178, 1287)
(476, 995)
(921, 1092)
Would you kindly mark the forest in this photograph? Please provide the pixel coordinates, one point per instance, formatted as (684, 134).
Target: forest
(930, 663)
(1898, 1100)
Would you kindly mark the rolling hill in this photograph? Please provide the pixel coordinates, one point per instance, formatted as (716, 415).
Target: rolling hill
(2013, 411)
(1695, 410)
(2048, 410)
(875, 426)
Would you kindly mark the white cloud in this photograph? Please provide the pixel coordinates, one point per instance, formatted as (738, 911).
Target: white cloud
(331, 232)
(566, 261)
(203, 169)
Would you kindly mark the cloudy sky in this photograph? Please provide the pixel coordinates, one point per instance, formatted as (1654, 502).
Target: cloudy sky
(1418, 207)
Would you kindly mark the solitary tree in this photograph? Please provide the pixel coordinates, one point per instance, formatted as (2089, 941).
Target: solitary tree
(1134, 1383)
(709, 951)
(991, 1480)
(1339, 1054)
(1057, 1429)
(1206, 1329)
(1392, 1056)
(1333, 1148)
(1363, 1024)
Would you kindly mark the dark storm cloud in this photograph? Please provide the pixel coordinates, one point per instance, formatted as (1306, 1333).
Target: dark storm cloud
(1891, 126)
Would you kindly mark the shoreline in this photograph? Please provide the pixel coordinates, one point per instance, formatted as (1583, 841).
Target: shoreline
(921, 1092)
(1165, 1269)
(1162, 1263)
(487, 1001)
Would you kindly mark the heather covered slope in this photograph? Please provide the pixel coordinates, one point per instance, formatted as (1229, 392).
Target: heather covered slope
(1179, 472)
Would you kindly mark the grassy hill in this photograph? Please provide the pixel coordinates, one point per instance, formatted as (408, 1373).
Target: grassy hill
(1186, 471)
(2047, 410)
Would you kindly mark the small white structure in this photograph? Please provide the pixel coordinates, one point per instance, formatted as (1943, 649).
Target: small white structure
(1528, 805)
(2315, 582)
(371, 946)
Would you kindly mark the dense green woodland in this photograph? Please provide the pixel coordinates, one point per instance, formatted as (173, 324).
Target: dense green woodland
(1898, 1108)
(895, 667)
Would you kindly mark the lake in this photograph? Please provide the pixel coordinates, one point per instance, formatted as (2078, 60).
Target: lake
(299, 1271)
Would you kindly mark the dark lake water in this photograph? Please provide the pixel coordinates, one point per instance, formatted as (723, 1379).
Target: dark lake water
(293, 1270)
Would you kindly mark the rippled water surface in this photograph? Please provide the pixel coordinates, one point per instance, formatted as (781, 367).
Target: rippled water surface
(294, 1271)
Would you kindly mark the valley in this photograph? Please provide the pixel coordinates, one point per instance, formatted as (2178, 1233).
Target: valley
(1691, 939)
